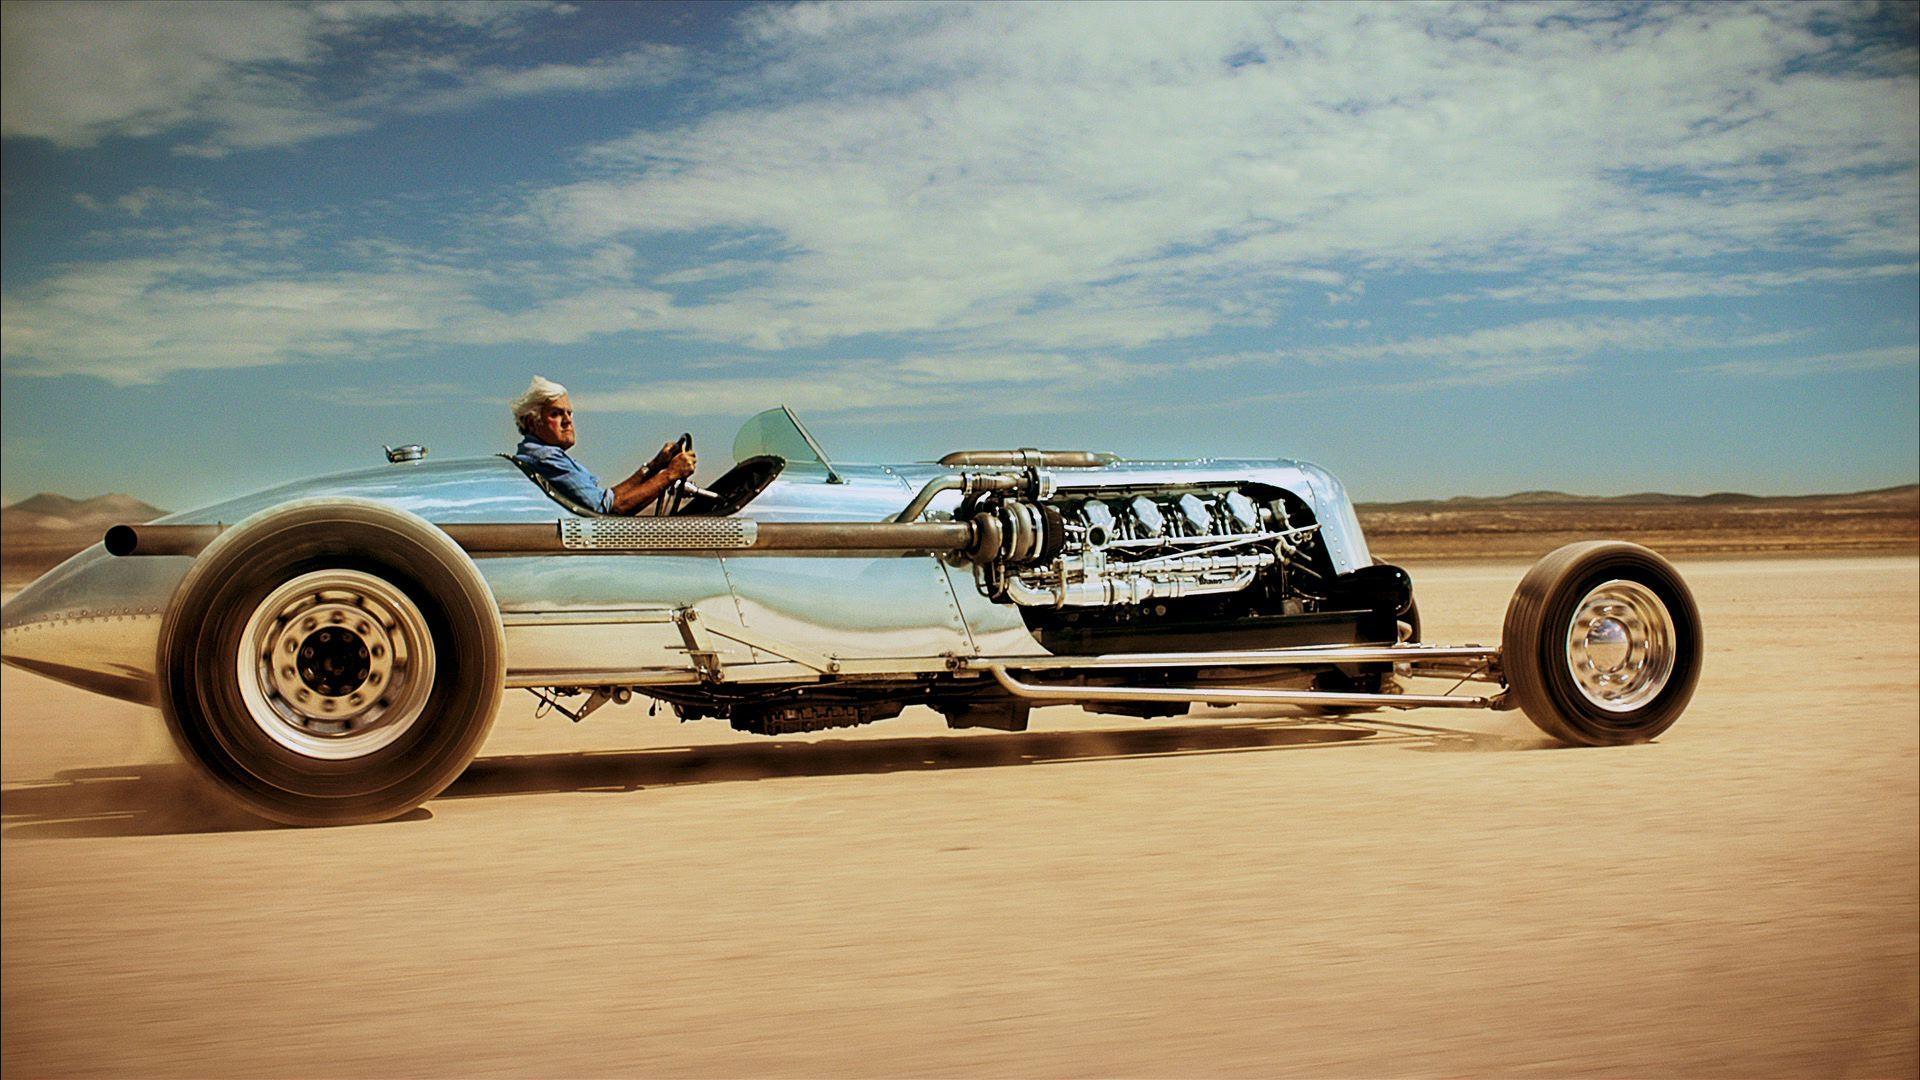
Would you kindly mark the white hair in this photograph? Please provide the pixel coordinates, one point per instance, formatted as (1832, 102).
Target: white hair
(540, 391)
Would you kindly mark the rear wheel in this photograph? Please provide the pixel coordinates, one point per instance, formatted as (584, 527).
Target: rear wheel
(331, 662)
(1602, 644)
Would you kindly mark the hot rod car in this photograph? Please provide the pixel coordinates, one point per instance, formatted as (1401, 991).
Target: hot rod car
(334, 651)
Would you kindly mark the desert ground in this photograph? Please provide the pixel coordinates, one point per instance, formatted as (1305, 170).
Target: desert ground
(1240, 893)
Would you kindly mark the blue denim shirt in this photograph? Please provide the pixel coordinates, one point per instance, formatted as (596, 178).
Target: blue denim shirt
(567, 476)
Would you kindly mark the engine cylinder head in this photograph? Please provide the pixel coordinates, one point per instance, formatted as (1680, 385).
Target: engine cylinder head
(1245, 515)
(1147, 516)
(1198, 514)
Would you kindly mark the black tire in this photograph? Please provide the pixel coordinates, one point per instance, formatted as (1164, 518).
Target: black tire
(1629, 677)
(416, 670)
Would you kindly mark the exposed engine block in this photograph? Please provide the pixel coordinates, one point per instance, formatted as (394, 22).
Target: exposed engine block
(1127, 547)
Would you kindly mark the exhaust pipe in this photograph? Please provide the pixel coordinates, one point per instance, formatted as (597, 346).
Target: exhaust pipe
(160, 539)
(1249, 695)
(1028, 459)
(629, 536)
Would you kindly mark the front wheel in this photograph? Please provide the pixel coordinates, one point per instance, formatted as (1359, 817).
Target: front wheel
(1602, 644)
(331, 662)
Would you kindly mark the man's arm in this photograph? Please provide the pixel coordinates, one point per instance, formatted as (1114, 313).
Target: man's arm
(650, 480)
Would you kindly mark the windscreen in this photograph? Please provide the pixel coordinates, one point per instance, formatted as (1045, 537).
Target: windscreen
(777, 431)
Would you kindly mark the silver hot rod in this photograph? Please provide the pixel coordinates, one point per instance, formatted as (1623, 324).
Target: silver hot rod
(334, 651)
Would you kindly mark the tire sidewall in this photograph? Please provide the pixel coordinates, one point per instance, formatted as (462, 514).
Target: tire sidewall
(202, 638)
(1586, 720)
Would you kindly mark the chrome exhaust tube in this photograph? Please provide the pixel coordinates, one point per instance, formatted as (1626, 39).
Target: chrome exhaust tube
(159, 539)
(631, 536)
(720, 536)
(966, 483)
(1296, 655)
(1028, 459)
(1243, 696)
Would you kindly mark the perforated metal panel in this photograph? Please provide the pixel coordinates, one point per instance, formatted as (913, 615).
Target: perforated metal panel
(657, 534)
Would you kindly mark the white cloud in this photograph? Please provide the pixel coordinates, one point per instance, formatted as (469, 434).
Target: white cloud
(1892, 358)
(1069, 182)
(649, 65)
(1040, 382)
(1529, 347)
(496, 17)
(964, 384)
(1509, 352)
(136, 320)
(75, 72)
(137, 202)
(980, 169)
(229, 297)
(1654, 284)
(246, 76)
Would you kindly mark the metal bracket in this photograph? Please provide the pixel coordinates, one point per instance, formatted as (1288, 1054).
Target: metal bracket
(619, 695)
(805, 657)
(700, 650)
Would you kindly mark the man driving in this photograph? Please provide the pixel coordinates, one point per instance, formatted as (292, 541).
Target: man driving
(545, 418)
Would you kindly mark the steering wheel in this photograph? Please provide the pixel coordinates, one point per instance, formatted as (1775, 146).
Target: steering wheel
(676, 493)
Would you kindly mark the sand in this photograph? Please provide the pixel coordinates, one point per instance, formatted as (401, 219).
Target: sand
(1243, 893)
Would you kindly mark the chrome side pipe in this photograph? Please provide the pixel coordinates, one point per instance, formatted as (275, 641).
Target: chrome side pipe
(965, 483)
(1234, 696)
(1028, 459)
(1294, 655)
(160, 539)
(622, 536)
(707, 536)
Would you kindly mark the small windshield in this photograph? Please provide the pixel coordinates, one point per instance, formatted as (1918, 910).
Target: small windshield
(777, 431)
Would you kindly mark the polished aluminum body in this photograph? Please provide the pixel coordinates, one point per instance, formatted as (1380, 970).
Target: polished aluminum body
(587, 619)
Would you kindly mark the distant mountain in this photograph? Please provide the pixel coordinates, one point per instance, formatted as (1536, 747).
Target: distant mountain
(36, 533)
(1888, 498)
(48, 513)
(1531, 523)
(47, 503)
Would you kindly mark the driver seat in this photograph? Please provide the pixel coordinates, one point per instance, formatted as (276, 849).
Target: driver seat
(572, 506)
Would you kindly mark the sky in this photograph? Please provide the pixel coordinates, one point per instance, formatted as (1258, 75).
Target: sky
(1439, 249)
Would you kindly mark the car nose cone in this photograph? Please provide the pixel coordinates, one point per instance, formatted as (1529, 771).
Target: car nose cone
(92, 622)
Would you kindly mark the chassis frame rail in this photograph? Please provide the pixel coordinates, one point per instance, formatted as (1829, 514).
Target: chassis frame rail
(1248, 695)
(1464, 662)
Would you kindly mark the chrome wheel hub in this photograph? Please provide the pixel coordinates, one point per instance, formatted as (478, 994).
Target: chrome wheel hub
(335, 664)
(1620, 646)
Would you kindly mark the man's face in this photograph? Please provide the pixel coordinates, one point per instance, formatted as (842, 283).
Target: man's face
(553, 424)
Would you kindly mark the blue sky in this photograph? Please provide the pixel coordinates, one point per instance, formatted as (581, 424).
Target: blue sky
(1440, 249)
